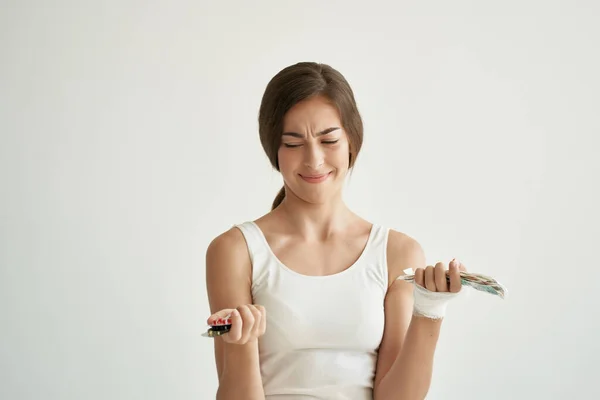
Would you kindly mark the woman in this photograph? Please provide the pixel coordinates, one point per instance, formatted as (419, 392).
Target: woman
(317, 312)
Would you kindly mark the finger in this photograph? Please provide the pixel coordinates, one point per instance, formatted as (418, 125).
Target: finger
(455, 283)
(263, 319)
(235, 333)
(461, 267)
(257, 321)
(441, 283)
(430, 279)
(221, 314)
(420, 277)
(248, 323)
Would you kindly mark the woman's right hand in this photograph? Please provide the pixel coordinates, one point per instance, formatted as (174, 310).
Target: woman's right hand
(248, 323)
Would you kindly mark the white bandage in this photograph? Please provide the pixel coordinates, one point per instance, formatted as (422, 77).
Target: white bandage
(430, 304)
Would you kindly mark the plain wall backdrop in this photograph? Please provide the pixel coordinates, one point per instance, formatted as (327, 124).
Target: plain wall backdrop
(129, 140)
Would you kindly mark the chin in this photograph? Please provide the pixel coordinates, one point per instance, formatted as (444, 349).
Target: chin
(320, 197)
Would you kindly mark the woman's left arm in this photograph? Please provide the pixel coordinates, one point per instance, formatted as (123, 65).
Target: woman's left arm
(406, 354)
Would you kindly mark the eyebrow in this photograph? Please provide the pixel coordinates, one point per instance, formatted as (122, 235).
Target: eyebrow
(324, 132)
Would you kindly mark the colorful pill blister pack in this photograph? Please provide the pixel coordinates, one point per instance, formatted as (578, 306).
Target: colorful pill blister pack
(219, 327)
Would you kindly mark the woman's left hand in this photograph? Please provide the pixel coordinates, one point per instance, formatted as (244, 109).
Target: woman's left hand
(435, 279)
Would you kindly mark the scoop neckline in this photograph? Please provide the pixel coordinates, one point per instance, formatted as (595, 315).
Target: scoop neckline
(353, 266)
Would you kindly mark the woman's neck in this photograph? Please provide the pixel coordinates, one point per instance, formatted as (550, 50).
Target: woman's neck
(315, 221)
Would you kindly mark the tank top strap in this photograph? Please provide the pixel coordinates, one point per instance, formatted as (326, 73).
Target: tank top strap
(253, 239)
(257, 250)
(377, 255)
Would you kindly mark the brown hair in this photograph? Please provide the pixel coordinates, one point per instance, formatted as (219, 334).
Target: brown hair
(294, 84)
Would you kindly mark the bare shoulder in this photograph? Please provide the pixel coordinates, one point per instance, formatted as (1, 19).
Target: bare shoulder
(227, 244)
(403, 251)
(228, 270)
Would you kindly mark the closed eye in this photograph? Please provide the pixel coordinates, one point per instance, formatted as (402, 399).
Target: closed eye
(291, 145)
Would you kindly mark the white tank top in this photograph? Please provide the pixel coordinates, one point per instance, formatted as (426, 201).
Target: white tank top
(323, 332)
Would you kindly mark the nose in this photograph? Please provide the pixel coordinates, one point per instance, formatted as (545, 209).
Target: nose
(314, 157)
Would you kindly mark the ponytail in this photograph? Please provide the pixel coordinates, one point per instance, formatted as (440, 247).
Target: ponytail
(278, 198)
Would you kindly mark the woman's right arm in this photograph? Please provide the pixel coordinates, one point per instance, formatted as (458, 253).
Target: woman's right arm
(228, 281)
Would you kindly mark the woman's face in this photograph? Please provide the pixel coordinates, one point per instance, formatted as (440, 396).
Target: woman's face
(314, 151)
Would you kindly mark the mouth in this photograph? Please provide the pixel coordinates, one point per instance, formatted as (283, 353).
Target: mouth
(315, 178)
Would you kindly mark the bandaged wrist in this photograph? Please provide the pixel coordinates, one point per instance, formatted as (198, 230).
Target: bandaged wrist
(429, 304)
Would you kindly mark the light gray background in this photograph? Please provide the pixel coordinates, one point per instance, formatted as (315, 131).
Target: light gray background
(129, 140)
